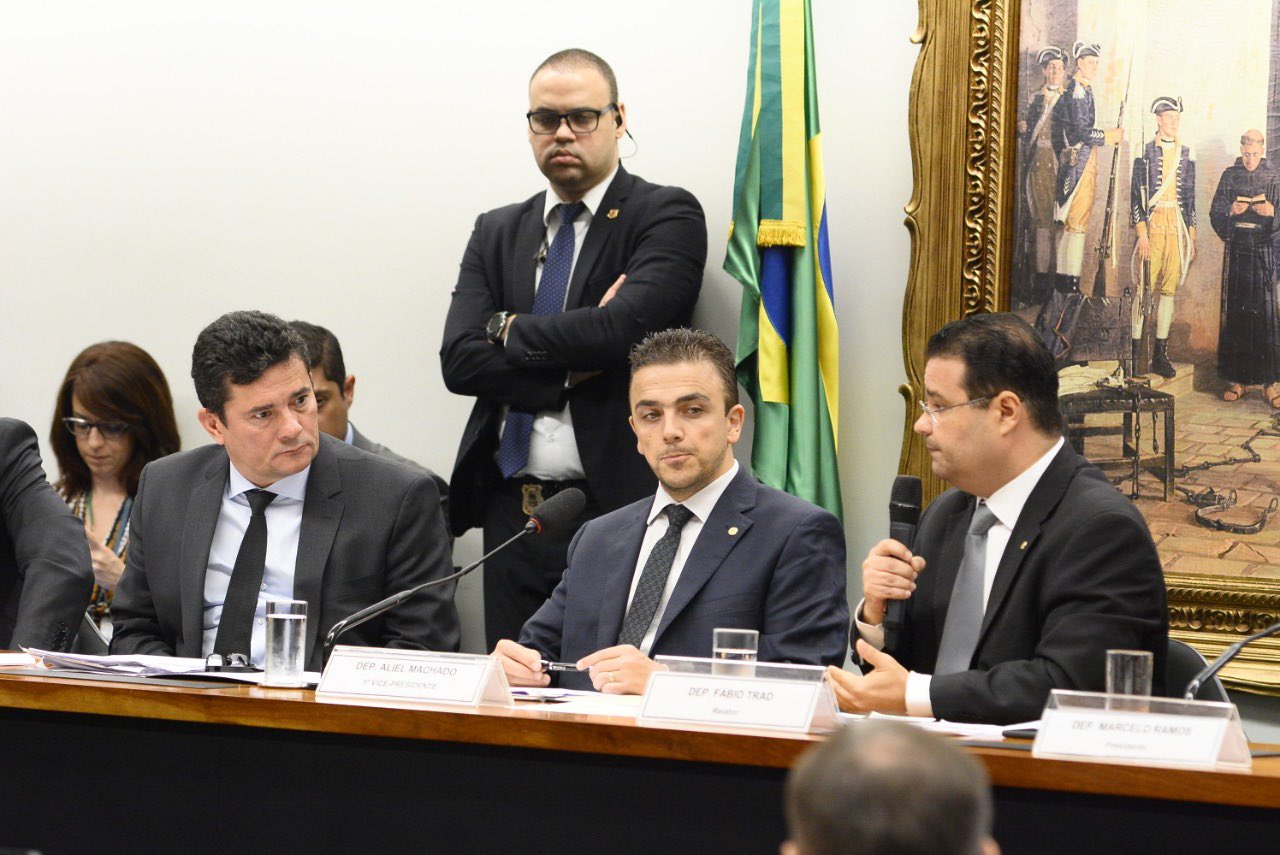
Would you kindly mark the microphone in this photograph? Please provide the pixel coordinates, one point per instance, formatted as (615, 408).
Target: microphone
(904, 513)
(552, 514)
(1193, 688)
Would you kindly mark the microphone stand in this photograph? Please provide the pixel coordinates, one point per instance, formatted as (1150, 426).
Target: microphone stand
(383, 606)
(1193, 688)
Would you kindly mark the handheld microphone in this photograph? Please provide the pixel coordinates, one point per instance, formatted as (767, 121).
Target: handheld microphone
(1193, 688)
(552, 514)
(904, 513)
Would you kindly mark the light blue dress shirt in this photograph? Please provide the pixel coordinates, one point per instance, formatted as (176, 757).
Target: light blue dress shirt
(284, 522)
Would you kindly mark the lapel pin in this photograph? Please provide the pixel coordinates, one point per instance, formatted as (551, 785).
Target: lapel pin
(733, 529)
(1024, 545)
(613, 214)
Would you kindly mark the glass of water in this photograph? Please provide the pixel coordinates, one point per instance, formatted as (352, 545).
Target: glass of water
(1129, 672)
(286, 641)
(734, 651)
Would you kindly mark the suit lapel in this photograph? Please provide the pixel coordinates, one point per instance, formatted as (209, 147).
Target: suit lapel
(602, 228)
(532, 231)
(620, 556)
(321, 513)
(203, 508)
(712, 547)
(1043, 499)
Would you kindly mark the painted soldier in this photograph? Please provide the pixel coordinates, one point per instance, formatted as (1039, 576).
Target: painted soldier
(1243, 214)
(1040, 170)
(1074, 139)
(1163, 203)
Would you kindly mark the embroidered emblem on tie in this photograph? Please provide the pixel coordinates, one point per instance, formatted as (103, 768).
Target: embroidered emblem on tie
(612, 215)
(733, 529)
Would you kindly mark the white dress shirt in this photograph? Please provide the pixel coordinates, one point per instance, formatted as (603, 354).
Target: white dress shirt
(553, 448)
(1006, 503)
(700, 504)
(284, 522)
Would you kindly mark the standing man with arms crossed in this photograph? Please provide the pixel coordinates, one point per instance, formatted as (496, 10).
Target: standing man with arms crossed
(1026, 572)
(542, 321)
(712, 548)
(276, 510)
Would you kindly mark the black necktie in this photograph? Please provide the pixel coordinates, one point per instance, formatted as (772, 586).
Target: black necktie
(235, 630)
(653, 579)
(513, 449)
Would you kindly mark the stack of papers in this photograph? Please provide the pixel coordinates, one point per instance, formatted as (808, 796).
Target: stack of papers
(150, 666)
(137, 666)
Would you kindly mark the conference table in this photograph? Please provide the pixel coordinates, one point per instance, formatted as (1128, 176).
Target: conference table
(103, 766)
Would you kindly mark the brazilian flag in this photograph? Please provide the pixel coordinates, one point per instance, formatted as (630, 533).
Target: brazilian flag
(788, 347)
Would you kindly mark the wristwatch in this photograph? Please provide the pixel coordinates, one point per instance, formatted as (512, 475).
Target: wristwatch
(493, 329)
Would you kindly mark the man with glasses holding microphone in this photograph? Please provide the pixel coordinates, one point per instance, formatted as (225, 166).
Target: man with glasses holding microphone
(1022, 576)
(552, 294)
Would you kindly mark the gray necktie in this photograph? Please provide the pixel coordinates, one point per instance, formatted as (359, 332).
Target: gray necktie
(964, 615)
(653, 579)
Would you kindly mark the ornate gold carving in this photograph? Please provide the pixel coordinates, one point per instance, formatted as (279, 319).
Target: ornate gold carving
(961, 128)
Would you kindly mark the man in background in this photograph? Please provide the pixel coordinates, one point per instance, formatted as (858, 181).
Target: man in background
(336, 392)
(885, 788)
(553, 293)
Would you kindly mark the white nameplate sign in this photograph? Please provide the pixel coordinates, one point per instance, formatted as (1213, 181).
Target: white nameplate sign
(723, 701)
(414, 675)
(1151, 731)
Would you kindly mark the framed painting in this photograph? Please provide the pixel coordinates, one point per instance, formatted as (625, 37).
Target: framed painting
(1104, 168)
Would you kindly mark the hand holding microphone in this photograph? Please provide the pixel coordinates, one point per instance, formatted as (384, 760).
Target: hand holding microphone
(890, 570)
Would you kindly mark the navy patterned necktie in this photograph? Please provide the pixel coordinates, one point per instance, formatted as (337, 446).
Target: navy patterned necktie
(235, 629)
(513, 449)
(653, 579)
(964, 615)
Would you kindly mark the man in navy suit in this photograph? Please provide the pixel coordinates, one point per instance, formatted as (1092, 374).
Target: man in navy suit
(1025, 573)
(738, 554)
(540, 325)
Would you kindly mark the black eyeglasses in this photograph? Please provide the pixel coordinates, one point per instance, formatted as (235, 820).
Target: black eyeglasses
(82, 427)
(582, 121)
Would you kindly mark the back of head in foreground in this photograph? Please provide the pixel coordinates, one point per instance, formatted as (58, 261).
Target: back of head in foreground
(884, 788)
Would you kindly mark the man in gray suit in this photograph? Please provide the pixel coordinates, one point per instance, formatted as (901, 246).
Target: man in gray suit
(45, 574)
(335, 393)
(276, 510)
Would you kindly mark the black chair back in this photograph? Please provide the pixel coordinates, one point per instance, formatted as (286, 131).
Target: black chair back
(1184, 663)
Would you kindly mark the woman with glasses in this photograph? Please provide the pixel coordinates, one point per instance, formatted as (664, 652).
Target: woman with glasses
(113, 416)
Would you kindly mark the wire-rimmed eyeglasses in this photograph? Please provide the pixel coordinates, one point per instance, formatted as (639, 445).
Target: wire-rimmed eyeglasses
(581, 121)
(934, 412)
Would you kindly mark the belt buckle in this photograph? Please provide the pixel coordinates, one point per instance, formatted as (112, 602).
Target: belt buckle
(530, 497)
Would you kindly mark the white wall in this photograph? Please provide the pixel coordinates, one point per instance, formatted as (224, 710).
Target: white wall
(165, 162)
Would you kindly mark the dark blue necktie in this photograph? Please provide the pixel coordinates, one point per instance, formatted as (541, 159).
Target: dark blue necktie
(513, 450)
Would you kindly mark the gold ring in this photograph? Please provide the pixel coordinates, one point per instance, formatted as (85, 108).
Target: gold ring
(609, 674)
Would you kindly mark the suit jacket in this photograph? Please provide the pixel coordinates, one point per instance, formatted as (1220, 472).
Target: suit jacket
(1080, 576)
(363, 443)
(45, 573)
(368, 530)
(658, 238)
(781, 573)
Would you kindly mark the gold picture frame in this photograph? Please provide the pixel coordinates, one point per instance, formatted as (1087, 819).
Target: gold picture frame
(963, 138)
